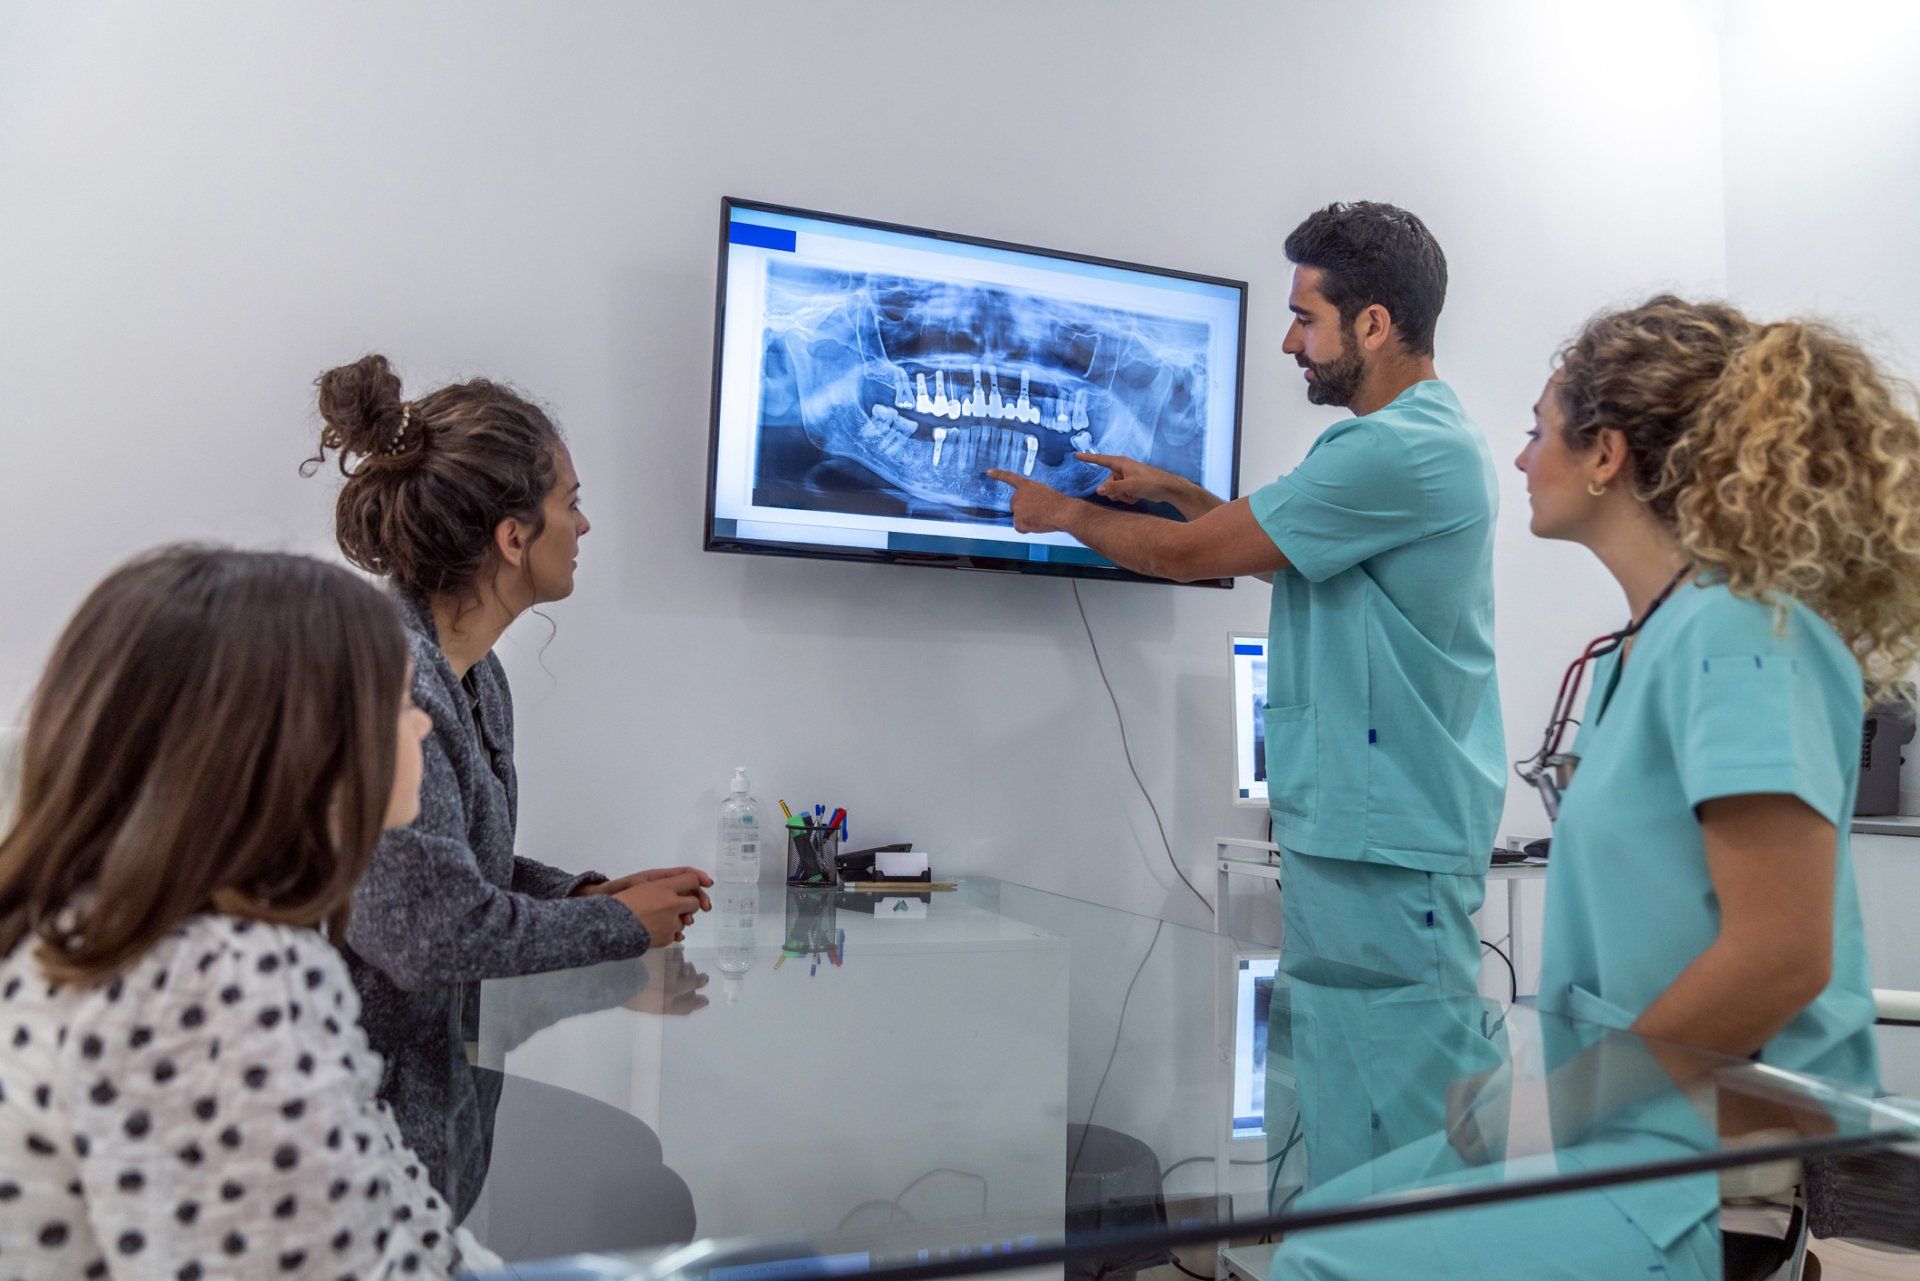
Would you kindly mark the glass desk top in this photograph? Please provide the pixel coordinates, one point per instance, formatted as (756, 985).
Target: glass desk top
(821, 1082)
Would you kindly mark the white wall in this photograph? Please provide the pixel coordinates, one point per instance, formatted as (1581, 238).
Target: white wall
(1823, 199)
(203, 206)
(1823, 178)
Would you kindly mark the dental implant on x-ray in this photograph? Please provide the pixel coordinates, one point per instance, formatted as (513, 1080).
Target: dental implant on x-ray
(902, 377)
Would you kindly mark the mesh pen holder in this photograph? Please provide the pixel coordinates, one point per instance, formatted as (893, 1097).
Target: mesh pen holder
(812, 928)
(812, 855)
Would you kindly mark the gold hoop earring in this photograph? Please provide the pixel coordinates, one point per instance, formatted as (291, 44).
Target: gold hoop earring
(1596, 490)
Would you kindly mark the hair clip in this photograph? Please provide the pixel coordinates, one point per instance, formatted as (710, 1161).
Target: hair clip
(393, 446)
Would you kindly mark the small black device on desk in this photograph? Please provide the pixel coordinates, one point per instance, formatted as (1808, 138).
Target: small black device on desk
(860, 869)
(1888, 728)
(1531, 850)
(870, 867)
(863, 865)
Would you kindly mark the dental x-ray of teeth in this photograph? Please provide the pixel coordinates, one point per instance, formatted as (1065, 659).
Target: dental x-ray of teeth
(888, 395)
(870, 375)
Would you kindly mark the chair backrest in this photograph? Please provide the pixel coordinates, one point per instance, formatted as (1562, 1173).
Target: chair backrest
(1768, 1181)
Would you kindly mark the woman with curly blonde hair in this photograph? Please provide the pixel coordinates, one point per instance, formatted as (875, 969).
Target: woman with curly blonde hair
(1755, 490)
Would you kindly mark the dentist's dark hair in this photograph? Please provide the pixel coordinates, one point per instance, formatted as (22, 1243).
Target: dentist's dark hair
(428, 481)
(1367, 253)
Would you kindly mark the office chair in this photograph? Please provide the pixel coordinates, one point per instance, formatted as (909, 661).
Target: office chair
(1866, 1200)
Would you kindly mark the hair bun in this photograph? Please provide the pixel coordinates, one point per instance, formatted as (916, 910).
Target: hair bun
(360, 408)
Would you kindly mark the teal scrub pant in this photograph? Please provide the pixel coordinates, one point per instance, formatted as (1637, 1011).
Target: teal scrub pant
(1379, 1017)
(1574, 1236)
(1394, 921)
(1378, 1013)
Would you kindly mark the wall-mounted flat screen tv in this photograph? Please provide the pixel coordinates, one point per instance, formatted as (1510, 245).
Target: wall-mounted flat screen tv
(867, 375)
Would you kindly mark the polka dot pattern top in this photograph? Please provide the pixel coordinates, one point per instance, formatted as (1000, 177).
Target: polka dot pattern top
(210, 1113)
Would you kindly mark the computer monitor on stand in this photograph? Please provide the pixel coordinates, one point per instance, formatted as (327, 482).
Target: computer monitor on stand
(1249, 719)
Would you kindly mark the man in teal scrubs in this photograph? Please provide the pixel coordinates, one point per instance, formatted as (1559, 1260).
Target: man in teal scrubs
(1385, 757)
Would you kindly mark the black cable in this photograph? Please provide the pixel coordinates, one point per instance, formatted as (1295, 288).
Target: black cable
(1513, 976)
(1192, 1160)
(893, 1206)
(1286, 1149)
(1197, 1276)
(1272, 861)
(1268, 1160)
(895, 1203)
(1118, 1027)
(1128, 750)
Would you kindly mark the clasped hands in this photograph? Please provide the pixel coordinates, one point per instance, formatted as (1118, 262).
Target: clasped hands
(666, 899)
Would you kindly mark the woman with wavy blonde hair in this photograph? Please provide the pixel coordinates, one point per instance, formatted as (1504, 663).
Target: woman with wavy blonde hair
(1755, 489)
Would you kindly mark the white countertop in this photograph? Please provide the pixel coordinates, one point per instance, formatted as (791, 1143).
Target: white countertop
(1889, 825)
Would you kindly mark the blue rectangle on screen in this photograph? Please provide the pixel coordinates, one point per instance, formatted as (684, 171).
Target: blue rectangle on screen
(748, 233)
(1255, 650)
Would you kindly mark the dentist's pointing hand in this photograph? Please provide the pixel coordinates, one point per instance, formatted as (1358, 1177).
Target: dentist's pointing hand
(1037, 508)
(1133, 481)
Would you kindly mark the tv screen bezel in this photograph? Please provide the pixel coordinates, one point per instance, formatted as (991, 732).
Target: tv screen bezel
(940, 560)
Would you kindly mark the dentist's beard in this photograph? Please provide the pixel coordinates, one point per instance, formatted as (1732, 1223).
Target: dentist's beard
(1337, 381)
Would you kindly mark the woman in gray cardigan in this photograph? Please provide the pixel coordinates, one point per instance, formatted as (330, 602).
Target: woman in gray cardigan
(466, 500)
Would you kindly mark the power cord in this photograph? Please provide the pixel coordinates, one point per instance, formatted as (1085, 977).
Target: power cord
(895, 1206)
(1127, 750)
(1194, 1160)
(1127, 1000)
(1118, 1027)
(1293, 1141)
(1513, 976)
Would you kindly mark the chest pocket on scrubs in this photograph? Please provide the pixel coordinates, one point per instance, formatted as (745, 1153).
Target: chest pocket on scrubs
(1293, 759)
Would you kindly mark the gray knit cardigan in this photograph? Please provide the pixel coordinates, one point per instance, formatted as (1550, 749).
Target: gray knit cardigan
(447, 903)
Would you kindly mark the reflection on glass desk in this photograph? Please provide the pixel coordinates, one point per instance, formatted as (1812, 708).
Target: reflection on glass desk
(820, 1082)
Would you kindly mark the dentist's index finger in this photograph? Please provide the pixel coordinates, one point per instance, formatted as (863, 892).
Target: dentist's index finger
(1004, 477)
(1108, 461)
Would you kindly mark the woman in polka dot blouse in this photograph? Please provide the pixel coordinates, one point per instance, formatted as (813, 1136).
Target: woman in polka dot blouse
(185, 1090)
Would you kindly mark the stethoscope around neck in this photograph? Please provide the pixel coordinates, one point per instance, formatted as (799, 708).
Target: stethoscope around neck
(1549, 770)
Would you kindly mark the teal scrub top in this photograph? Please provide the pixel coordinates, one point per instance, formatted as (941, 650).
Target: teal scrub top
(1715, 700)
(1384, 741)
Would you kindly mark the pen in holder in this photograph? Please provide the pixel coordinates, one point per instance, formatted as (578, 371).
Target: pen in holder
(812, 854)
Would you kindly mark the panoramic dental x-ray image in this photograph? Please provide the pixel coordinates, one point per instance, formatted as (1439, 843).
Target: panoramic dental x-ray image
(888, 395)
